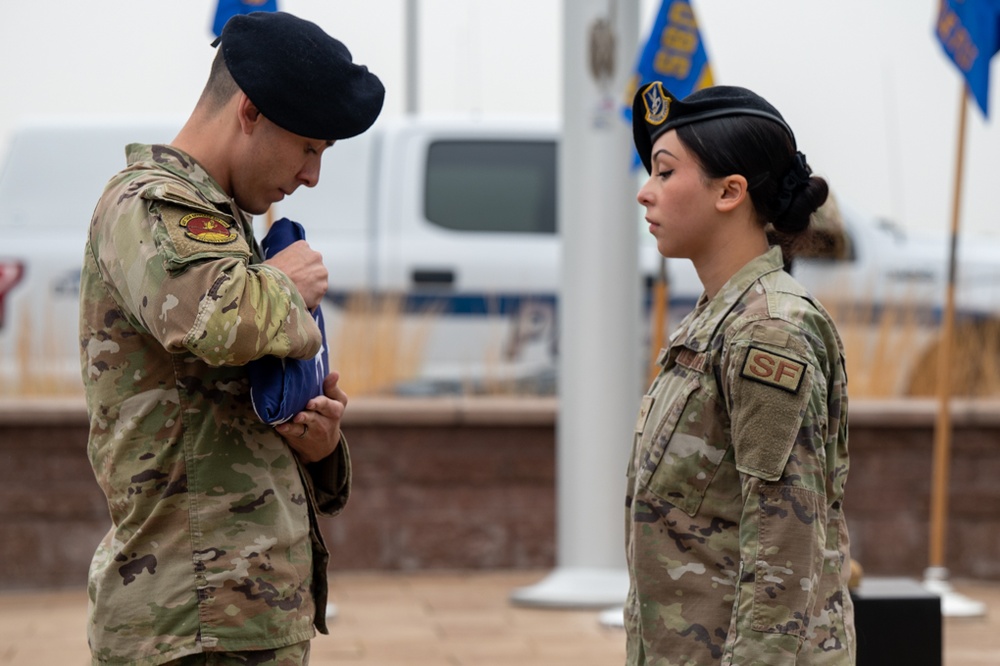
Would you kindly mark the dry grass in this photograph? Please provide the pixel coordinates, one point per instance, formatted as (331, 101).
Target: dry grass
(893, 352)
(376, 345)
(975, 367)
(881, 347)
(44, 363)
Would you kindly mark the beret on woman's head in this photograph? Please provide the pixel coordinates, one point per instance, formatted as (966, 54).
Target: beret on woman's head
(300, 78)
(655, 110)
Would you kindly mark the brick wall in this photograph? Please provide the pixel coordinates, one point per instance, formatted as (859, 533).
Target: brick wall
(888, 496)
(470, 484)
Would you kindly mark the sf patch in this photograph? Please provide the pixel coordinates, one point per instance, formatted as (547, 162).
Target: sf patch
(773, 369)
(208, 228)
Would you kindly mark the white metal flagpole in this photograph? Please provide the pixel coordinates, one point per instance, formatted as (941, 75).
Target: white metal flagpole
(412, 55)
(600, 367)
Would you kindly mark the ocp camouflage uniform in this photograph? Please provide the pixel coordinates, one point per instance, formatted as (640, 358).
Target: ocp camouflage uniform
(214, 544)
(736, 541)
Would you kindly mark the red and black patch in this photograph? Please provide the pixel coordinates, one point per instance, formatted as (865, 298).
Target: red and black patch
(208, 229)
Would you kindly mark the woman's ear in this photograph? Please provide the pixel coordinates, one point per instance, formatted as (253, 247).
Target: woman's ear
(733, 193)
(248, 113)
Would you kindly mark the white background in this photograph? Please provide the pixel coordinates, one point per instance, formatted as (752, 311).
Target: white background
(864, 83)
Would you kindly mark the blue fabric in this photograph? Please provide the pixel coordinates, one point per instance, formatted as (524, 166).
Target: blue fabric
(969, 32)
(674, 54)
(227, 9)
(281, 387)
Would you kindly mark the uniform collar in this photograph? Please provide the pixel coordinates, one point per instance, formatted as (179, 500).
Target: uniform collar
(699, 328)
(183, 165)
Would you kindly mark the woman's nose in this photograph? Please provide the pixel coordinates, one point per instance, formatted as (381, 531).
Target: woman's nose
(643, 196)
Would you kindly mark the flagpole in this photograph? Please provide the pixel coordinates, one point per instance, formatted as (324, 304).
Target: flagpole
(412, 52)
(596, 191)
(661, 297)
(942, 429)
(936, 574)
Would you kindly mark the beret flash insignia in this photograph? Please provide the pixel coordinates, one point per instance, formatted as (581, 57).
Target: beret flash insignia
(208, 229)
(657, 104)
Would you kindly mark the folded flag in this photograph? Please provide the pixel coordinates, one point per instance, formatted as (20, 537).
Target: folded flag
(281, 387)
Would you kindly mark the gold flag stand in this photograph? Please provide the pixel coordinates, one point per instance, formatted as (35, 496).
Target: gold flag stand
(660, 313)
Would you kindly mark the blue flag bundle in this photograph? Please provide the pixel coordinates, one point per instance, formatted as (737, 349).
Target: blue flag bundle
(227, 9)
(969, 32)
(674, 54)
(281, 387)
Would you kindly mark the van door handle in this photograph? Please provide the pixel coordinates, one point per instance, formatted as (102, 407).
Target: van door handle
(431, 277)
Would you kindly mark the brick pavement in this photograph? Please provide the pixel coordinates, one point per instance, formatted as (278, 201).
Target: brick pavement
(432, 619)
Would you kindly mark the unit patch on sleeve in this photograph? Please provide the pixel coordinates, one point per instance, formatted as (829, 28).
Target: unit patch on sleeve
(208, 228)
(773, 369)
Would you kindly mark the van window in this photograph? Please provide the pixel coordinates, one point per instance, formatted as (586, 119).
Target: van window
(492, 186)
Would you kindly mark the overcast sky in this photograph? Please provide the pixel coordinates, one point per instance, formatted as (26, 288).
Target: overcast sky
(863, 83)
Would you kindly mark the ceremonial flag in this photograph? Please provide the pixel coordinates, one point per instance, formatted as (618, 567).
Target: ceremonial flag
(281, 387)
(969, 32)
(674, 54)
(230, 8)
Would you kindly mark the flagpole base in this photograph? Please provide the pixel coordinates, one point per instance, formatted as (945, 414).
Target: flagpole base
(575, 588)
(953, 604)
(613, 618)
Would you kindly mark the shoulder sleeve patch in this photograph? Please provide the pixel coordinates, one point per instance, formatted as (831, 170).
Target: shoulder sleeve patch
(187, 235)
(770, 393)
(190, 228)
(206, 228)
(773, 369)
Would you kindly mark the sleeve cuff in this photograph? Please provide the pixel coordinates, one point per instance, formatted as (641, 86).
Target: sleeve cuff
(331, 480)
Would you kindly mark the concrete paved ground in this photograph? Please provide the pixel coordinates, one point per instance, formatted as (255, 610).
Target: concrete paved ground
(433, 619)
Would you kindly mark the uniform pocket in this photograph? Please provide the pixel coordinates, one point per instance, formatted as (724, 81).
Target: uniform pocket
(789, 559)
(689, 445)
(666, 409)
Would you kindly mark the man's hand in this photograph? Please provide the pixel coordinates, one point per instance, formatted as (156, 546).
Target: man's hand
(314, 433)
(304, 266)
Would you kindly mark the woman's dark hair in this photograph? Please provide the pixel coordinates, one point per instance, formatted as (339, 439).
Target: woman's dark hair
(780, 184)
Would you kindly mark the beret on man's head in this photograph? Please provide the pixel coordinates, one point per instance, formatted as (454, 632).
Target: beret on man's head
(300, 78)
(655, 110)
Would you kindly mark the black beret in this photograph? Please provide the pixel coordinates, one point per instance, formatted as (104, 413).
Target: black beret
(655, 110)
(300, 78)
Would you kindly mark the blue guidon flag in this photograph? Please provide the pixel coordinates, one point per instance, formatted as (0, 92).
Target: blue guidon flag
(674, 54)
(281, 387)
(969, 32)
(230, 8)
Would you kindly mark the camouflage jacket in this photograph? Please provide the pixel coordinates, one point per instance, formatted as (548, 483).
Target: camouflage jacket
(736, 543)
(214, 543)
